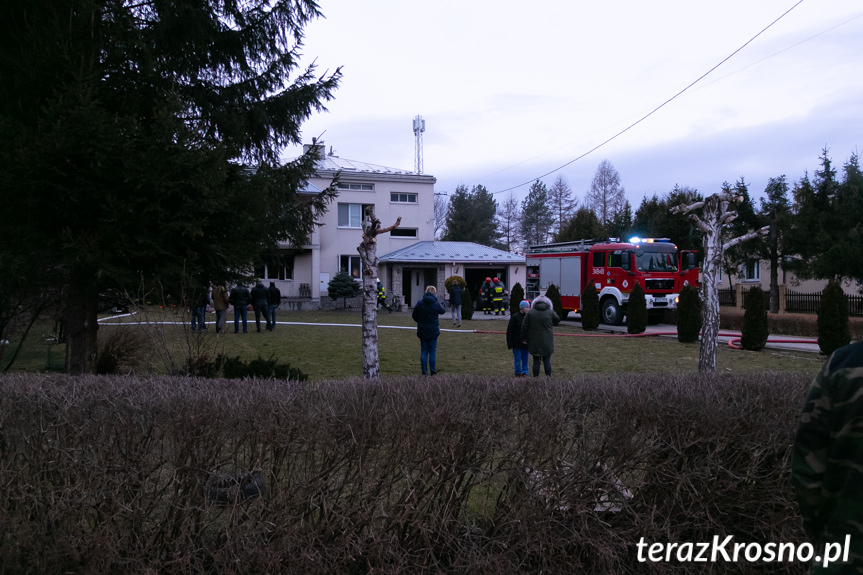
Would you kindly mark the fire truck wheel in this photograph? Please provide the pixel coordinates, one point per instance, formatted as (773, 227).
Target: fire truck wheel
(611, 313)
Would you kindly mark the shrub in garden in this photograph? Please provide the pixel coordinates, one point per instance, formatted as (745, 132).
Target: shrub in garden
(754, 331)
(589, 307)
(343, 285)
(688, 315)
(516, 295)
(259, 368)
(833, 331)
(636, 311)
(466, 305)
(553, 294)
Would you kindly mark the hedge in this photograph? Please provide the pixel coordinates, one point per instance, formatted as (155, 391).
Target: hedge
(452, 474)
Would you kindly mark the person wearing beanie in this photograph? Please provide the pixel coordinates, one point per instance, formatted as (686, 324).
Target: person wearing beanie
(514, 340)
(537, 330)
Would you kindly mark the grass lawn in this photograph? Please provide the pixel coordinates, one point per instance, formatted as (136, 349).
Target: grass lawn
(334, 351)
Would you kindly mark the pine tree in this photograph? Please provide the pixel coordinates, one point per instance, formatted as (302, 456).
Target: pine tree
(536, 215)
(755, 330)
(589, 308)
(141, 141)
(471, 217)
(636, 314)
(833, 329)
(688, 315)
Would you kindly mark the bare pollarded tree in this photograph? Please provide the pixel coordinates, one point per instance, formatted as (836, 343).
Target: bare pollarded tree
(716, 211)
(606, 196)
(368, 250)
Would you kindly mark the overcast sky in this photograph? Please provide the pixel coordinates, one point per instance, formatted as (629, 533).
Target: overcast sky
(513, 90)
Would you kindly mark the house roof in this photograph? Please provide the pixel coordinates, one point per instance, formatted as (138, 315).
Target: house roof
(461, 252)
(335, 164)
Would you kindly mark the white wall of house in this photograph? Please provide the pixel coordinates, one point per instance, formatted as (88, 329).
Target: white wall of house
(333, 245)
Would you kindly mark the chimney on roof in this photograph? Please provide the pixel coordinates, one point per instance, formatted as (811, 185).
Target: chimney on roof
(319, 146)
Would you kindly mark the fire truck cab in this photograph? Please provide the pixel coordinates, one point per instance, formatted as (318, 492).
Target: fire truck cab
(614, 268)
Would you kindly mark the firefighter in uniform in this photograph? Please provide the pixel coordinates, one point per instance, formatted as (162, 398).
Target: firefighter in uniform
(498, 290)
(485, 292)
(382, 296)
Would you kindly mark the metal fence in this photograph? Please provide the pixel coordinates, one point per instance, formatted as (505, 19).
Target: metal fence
(796, 302)
(728, 296)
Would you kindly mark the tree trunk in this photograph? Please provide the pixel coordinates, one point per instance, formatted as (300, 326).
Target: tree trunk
(368, 250)
(80, 327)
(774, 275)
(710, 295)
(371, 361)
(715, 214)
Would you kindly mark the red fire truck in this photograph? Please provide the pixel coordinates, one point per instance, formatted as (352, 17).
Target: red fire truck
(614, 267)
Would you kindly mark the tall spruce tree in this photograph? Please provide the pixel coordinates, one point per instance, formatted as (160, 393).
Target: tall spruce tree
(537, 218)
(471, 217)
(141, 141)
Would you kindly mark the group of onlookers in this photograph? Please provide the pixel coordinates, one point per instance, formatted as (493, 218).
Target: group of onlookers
(529, 331)
(263, 301)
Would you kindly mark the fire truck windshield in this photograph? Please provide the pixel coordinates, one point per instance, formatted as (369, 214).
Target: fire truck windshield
(655, 261)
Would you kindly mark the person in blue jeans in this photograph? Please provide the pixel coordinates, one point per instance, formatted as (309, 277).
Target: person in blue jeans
(514, 342)
(426, 313)
(240, 298)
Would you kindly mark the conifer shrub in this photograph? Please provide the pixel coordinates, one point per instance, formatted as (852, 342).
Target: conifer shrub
(754, 332)
(589, 307)
(636, 315)
(553, 294)
(833, 330)
(516, 295)
(466, 305)
(343, 285)
(688, 315)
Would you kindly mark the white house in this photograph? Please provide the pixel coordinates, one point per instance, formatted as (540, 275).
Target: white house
(409, 257)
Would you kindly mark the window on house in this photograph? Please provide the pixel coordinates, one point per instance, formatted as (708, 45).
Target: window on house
(752, 271)
(403, 198)
(404, 233)
(277, 266)
(351, 215)
(363, 187)
(350, 264)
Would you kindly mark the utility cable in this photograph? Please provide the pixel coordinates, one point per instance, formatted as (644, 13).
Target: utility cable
(656, 109)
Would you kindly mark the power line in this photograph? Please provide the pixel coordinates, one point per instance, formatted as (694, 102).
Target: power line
(656, 109)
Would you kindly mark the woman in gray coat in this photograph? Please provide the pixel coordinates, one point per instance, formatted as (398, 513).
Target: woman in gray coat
(537, 331)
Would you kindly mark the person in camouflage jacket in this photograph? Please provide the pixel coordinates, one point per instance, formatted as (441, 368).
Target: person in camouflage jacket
(827, 464)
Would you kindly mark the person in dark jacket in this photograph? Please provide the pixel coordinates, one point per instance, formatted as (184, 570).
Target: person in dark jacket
(240, 299)
(537, 331)
(455, 303)
(426, 313)
(274, 298)
(514, 340)
(827, 461)
(260, 297)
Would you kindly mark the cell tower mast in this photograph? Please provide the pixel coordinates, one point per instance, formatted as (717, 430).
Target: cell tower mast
(419, 128)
